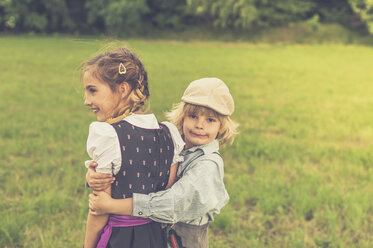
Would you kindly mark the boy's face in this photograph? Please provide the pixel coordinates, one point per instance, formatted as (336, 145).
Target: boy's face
(100, 98)
(200, 129)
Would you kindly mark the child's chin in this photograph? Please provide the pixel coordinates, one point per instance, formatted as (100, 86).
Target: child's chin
(99, 118)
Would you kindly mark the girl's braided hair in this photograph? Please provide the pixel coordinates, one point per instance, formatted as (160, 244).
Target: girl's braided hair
(106, 68)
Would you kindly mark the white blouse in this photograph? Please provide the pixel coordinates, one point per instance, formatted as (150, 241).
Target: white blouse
(103, 143)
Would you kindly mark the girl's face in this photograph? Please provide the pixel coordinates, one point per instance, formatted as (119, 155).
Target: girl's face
(200, 129)
(100, 98)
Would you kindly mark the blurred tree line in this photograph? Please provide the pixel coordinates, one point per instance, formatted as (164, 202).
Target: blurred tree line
(132, 16)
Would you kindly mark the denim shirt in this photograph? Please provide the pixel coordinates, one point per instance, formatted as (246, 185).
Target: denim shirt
(196, 197)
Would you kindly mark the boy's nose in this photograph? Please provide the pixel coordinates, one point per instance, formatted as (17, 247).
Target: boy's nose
(199, 123)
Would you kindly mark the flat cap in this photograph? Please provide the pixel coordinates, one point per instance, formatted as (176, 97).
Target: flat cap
(211, 93)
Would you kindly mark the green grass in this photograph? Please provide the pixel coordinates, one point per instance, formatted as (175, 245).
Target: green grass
(299, 173)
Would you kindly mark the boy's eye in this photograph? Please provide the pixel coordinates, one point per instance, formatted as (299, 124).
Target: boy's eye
(92, 90)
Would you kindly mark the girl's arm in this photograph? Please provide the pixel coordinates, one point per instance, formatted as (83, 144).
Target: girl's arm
(95, 223)
(104, 148)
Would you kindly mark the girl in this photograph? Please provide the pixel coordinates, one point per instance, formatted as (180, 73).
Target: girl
(128, 145)
(203, 118)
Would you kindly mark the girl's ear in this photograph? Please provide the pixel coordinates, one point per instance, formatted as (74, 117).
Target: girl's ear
(124, 90)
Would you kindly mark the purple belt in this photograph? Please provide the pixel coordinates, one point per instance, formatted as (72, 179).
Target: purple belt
(119, 221)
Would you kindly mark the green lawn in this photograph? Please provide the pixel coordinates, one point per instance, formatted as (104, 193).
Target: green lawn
(299, 173)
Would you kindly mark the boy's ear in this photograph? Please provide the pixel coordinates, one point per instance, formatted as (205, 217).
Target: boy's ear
(182, 124)
(220, 131)
(124, 89)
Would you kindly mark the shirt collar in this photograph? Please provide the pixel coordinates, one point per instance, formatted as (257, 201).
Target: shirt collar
(209, 148)
(148, 121)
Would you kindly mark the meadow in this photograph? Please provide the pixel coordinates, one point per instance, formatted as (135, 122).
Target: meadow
(299, 173)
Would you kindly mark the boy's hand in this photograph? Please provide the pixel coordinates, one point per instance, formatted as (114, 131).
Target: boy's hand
(98, 202)
(97, 181)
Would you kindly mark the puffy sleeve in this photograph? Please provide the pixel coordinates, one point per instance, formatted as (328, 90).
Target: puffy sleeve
(104, 148)
(178, 142)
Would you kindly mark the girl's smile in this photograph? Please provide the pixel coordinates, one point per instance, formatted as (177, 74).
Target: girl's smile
(95, 110)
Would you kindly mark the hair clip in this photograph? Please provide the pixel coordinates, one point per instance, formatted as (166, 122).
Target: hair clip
(122, 69)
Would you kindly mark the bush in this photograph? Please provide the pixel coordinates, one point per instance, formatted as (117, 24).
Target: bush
(35, 15)
(117, 16)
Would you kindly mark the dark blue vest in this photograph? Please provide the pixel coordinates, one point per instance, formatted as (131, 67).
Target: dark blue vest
(147, 155)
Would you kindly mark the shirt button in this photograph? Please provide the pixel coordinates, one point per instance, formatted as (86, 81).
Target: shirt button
(140, 213)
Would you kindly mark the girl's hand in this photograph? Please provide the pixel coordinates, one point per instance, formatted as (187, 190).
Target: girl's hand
(99, 202)
(97, 181)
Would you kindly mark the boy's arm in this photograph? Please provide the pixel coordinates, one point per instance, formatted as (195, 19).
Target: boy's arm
(98, 181)
(172, 178)
(103, 203)
(198, 192)
(95, 223)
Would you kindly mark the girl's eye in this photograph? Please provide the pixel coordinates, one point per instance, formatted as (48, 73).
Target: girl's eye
(92, 90)
(193, 116)
(211, 120)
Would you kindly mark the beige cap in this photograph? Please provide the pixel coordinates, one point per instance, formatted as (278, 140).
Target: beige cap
(211, 93)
